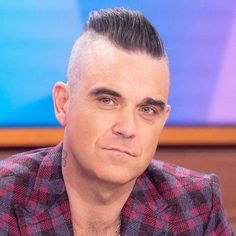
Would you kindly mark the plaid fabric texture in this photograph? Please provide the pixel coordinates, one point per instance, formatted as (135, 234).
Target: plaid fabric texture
(166, 200)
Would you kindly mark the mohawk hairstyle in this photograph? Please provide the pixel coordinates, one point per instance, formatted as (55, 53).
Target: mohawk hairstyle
(127, 29)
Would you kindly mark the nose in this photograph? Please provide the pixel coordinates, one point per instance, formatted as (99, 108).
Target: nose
(125, 125)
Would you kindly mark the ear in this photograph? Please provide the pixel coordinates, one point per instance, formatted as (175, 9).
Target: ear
(167, 112)
(60, 100)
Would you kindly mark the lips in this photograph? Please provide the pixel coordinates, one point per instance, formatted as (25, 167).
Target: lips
(120, 150)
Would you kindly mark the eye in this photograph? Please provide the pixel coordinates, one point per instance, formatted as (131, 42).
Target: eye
(106, 101)
(149, 110)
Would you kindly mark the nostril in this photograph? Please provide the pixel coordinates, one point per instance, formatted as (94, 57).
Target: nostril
(125, 125)
(124, 133)
(119, 133)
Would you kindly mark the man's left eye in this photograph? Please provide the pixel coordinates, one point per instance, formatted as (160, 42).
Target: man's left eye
(148, 110)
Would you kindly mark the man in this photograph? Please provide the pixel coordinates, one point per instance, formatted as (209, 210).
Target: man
(101, 180)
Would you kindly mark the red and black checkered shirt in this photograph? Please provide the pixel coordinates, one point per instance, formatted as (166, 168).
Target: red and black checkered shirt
(166, 200)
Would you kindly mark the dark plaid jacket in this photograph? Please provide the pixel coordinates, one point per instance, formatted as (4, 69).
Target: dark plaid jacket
(166, 200)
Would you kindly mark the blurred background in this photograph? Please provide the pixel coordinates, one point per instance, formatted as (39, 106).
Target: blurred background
(199, 36)
(200, 39)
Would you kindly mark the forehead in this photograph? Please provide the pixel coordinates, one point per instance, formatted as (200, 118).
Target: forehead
(127, 72)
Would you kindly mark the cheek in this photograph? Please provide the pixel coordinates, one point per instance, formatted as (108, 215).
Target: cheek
(150, 138)
(87, 126)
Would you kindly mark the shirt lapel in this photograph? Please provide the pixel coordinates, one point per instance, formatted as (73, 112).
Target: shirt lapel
(145, 212)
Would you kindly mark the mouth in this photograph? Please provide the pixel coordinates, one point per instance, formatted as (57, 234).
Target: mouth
(120, 151)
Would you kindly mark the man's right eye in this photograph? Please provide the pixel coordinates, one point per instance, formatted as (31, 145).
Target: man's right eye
(106, 100)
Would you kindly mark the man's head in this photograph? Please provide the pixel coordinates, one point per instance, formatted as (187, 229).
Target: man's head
(115, 103)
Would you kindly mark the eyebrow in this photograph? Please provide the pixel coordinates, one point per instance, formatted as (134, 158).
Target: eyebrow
(155, 102)
(146, 101)
(102, 90)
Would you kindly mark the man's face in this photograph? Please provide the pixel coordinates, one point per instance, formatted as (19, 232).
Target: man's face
(115, 112)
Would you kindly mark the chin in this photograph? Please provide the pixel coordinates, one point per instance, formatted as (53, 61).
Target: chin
(117, 176)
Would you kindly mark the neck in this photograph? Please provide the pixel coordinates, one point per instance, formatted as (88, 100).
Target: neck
(95, 204)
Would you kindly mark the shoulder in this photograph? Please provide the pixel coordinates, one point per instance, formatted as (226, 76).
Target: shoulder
(23, 163)
(176, 176)
(182, 187)
(185, 202)
(18, 173)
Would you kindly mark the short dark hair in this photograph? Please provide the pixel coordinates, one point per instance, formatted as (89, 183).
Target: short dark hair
(128, 29)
